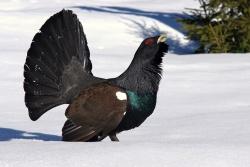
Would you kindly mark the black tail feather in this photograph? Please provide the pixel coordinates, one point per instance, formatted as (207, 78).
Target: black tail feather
(57, 65)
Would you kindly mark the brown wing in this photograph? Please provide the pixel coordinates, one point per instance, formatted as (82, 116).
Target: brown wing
(97, 111)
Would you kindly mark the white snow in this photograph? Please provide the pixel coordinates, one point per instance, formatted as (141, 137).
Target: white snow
(202, 117)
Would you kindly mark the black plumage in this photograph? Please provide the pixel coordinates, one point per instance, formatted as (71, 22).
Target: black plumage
(58, 71)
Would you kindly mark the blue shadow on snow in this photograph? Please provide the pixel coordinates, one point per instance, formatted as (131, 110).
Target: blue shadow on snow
(163, 17)
(141, 29)
(7, 134)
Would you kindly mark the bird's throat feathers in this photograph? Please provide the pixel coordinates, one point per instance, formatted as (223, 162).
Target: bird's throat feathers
(141, 78)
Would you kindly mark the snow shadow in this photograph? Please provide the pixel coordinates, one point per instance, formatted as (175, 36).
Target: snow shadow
(141, 29)
(163, 17)
(7, 134)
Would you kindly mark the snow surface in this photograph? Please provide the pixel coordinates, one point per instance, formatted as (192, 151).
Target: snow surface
(202, 118)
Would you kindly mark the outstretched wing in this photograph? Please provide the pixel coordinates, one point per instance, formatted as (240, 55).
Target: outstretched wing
(57, 66)
(96, 112)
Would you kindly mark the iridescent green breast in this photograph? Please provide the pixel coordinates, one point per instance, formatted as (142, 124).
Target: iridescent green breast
(140, 106)
(142, 102)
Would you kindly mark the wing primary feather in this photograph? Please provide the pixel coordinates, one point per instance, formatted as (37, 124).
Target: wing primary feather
(73, 132)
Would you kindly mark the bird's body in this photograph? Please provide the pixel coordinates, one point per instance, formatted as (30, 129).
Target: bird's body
(58, 71)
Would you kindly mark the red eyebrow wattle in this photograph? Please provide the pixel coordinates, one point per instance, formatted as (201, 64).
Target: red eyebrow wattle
(149, 41)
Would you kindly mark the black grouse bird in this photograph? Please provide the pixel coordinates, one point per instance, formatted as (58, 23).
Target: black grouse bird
(58, 71)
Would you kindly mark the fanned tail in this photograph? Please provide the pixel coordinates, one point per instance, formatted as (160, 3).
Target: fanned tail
(57, 66)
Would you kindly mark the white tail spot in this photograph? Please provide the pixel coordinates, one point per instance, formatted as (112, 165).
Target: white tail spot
(121, 95)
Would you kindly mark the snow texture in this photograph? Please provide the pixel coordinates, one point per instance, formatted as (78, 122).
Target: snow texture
(202, 117)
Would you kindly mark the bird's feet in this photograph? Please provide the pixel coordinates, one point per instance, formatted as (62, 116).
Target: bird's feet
(113, 137)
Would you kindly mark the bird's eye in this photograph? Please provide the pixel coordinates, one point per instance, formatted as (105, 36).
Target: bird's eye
(149, 42)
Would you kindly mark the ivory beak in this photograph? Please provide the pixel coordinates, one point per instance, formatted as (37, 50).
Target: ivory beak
(162, 38)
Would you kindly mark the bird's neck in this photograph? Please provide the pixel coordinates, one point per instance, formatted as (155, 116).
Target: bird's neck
(140, 78)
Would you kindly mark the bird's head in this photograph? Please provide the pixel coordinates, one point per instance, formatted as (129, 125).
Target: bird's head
(144, 72)
(152, 50)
